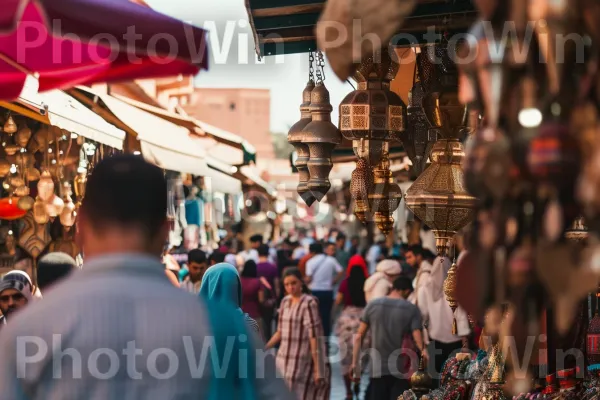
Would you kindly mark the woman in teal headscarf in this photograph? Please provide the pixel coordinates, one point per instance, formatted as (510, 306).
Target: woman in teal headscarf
(222, 291)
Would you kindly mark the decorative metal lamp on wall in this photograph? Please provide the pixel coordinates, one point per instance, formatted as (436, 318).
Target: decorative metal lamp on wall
(371, 116)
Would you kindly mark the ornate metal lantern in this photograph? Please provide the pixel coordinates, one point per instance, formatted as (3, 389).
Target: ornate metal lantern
(372, 114)
(438, 197)
(421, 382)
(418, 140)
(321, 136)
(385, 197)
(578, 231)
(450, 293)
(360, 187)
(295, 138)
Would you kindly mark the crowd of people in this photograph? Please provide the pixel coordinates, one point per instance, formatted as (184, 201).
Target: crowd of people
(273, 317)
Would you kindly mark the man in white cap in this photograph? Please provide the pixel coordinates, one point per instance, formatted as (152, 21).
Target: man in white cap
(380, 283)
(14, 295)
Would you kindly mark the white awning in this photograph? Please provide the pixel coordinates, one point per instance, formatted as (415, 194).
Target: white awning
(219, 179)
(66, 113)
(163, 143)
(251, 175)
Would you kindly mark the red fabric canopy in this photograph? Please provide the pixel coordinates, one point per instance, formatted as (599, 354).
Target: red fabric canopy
(73, 42)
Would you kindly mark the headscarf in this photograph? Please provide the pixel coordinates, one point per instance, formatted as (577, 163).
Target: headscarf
(389, 267)
(357, 260)
(17, 285)
(222, 291)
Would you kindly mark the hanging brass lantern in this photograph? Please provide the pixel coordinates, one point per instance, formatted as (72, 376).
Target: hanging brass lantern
(295, 138)
(385, 197)
(450, 293)
(79, 186)
(361, 185)
(418, 139)
(421, 382)
(372, 114)
(321, 136)
(438, 197)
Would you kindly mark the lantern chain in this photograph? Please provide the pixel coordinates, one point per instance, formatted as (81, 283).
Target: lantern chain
(311, 66)
(320, 67)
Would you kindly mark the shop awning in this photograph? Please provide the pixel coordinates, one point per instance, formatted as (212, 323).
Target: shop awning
(66, 113)
(217, 142)
(251, 177)
(219, 177)
(162, 143)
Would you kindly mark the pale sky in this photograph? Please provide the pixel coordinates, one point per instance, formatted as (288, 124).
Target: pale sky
(286, 80)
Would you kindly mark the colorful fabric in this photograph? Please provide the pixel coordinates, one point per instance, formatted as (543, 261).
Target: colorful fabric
(297, 324)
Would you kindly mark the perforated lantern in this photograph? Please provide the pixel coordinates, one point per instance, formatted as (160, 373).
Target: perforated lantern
(321, 136)
(385, 197)
(372, 114)
(418, 140)
(295, 138)
(361, 185)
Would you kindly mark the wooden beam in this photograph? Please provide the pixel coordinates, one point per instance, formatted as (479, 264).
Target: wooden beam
(287, 10)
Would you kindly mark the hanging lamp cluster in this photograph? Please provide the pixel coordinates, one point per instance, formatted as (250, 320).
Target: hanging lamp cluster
(314, 136)
(371, 117)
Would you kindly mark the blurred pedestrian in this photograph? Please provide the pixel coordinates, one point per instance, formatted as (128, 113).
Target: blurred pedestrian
(352, 297)
(354, 246)
(14, 295)
(415, 258)
(122, 298)
(301, 356)
(197, 265)
(23, 276)
(322, 273)
(380, 283)
(438, 319)
(252, 292)
(389, 319)
(216, 257)
(341, 255)
(222, 284)
(54, 267)
(268, 271)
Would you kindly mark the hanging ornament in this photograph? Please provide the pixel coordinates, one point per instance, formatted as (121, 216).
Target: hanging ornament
(23, 135)
(361, 185)
(40, 214)
(578, 231)
(55, 206)
(418, 140)
(26, 203)
(372, 114)
(33, 174)
(79, 185)
(11, 149)
(296, 137)
(385, 196)
(450, 293)
(321, 136)
(45, 186)
(21, 191)
(4, 168)
(68, 214)
(421, 382)
(34, 237)
(10, 127)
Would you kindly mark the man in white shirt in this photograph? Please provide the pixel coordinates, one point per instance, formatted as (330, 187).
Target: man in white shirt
(438, 318)
(322, 273)
(421, 268)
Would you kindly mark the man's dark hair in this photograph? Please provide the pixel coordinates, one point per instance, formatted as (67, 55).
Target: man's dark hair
(196, 256)
(428, 254)
(263, 250)
(316, 248)
(126, 190)
(340, 236)
(216, 257)
(402, 283)
(54, 267)
(416, 249)
(256, 238)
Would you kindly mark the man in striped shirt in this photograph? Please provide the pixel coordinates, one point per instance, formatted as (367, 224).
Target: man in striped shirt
(197, 264)
(118, 329)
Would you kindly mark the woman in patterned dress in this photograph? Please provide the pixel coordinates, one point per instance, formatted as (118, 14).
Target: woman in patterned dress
(301, 356)
(352, 296)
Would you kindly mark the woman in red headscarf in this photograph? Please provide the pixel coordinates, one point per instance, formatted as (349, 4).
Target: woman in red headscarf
(352, 296)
